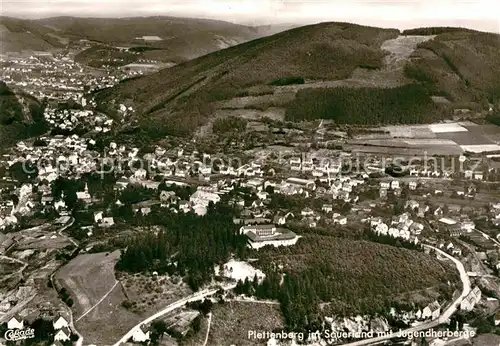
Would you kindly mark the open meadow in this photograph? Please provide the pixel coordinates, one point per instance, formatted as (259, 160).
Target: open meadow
(91, 283)
(232, 320)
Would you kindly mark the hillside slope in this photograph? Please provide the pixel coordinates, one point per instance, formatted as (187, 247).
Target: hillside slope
(18, 34)
(461, 65)
(296, 70)
(170, 39)
(166, 39)
(327, 51)
(21, 116)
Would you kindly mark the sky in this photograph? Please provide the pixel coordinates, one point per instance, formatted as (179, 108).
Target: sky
(478, 14)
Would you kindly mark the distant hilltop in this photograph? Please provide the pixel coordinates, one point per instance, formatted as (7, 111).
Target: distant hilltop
(348, 73)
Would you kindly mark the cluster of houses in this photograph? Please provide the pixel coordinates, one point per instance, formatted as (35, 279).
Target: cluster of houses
(359, 324)
(70, 119)
(56, 77)
(401, 226)
(61, 328)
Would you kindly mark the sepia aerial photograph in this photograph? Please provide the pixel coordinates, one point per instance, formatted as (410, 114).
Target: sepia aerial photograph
(249, 172)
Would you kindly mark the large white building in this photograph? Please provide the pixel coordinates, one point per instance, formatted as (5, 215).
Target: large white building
(262, 235)
(201, 197)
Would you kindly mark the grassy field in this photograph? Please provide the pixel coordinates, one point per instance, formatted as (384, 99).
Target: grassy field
(231, 322)
(88, 278)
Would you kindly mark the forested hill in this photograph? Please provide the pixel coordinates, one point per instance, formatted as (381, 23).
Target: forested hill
(184, 94)
(21, 116)
(458, 64)
(461, 65)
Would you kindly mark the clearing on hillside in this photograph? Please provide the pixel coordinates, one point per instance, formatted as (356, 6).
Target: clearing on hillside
(232, 321)
(88, 279)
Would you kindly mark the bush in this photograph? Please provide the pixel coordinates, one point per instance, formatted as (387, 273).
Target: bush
(288, 81)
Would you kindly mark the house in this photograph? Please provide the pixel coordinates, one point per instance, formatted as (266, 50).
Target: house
(281, 219)
(98, 216)
(140, 334)
(307, 212)
(471, 300)
(438, 212)
(167, 197)
(107, 222)
(327, 208)
(262, 195)
(431, 311)
(62, 334)
(412, 185)
(467, 225)
(204, 198)
(60, 323)
(84, 196)
(15, 323)
(395, 184)
(339, 219)
(478, 175)
(412, 205)
(302, 183)
(122, 183)
(385, 185)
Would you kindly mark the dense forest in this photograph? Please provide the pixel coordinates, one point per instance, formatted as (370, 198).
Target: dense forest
(21, 116)
(229, 124)
(408, 104)
(327, 275)
(435, 30)
(460, 64)
(188, 245)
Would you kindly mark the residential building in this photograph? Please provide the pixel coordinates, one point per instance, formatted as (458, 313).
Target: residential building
(471, 300)
(62, 334)
(141, 334)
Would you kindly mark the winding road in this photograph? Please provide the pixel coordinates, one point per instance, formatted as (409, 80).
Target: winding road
(208, 328)
(171, 307)
(466, 288)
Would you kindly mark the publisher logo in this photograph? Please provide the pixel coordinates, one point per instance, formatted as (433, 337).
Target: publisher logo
(19, 334)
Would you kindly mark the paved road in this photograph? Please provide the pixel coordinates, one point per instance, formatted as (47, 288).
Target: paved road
(441, 319)
(490, 238)
(171, 307)
(208, 328)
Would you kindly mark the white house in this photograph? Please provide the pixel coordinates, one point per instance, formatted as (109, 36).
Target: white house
(84, 195)
(431, 311)
(339, 219)
(107, 222)
(62, 334)
(201, 197)
(471, 300)
(60, 323)
(141, 173)
(141, 334)
(15, 323)
(395, 184)
(384, 185)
